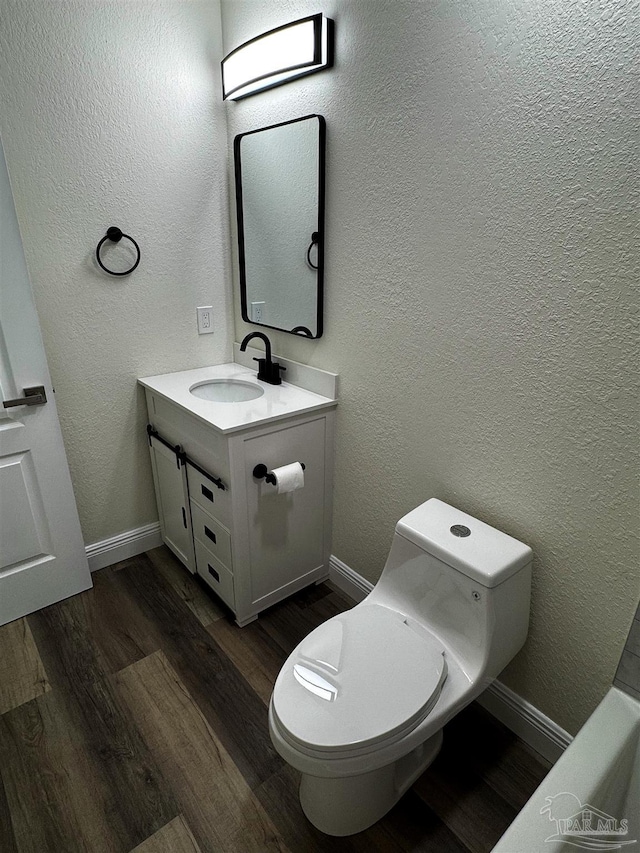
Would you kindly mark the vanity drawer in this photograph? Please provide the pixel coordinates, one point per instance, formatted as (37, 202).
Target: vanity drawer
(215, 574)
(208, 496)
(211, 534)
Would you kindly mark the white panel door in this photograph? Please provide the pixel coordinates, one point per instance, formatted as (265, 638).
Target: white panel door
(42, 555)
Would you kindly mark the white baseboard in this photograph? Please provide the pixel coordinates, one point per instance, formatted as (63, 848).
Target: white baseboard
(124, 545)
(525, 720)
(351, 583)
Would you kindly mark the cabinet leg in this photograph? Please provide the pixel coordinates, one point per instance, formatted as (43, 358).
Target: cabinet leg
(242, 622)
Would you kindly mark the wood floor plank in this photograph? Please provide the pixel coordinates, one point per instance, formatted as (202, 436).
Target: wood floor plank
(80, 641)
(198, 600)
(7, 836)
(288, 624)
(330, 604)
(89, 767)
(89, 636)
(310, 594)
(175, 837)
(253, 652)
(22, 674)
(465, 803)
(260, 649)
(511, 768)
(231, 707)
(215, 799)
(513, 774)
(57, 799)
(413, 826)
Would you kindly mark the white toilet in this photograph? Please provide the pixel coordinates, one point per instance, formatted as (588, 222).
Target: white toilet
(358, 707)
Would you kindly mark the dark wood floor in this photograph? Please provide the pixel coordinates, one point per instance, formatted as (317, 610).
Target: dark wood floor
(134, 717)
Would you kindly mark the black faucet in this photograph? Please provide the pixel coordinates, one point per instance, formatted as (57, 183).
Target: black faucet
(268, 371)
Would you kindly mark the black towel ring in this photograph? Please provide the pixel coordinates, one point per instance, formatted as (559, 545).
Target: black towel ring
(115, 235)
(314, 242)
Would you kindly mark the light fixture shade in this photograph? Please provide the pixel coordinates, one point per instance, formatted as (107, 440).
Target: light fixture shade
(291, 51)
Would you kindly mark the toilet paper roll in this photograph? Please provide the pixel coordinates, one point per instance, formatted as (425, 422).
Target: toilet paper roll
(289, 477)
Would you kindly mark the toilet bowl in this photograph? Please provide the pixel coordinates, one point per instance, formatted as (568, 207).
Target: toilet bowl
(359, 706)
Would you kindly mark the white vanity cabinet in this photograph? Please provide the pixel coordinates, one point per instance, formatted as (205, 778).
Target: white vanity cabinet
(251, 545)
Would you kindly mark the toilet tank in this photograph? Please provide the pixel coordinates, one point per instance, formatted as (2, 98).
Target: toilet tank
(464, 581)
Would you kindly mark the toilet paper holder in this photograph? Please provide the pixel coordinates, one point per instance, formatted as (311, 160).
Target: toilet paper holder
(261, 471)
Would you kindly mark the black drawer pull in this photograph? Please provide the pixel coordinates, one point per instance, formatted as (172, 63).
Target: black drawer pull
(184, 517)
(207, 493)
(213, 572)
(210, 534)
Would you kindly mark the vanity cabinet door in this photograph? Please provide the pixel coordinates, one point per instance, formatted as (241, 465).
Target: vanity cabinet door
(170, 480)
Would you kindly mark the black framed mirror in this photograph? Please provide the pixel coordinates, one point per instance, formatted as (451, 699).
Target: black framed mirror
(280, 190)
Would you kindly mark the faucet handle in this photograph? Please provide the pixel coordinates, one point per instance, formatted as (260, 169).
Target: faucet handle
(275, 372)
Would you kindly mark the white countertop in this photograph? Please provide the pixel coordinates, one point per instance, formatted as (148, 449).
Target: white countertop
(277, 402)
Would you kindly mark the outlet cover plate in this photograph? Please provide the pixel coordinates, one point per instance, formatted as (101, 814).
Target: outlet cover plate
(257, 312)
(205, 319)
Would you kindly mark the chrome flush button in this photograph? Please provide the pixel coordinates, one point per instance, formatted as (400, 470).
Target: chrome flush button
(460, 530)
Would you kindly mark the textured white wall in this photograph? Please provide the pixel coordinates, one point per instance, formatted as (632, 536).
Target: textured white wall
(111, 115)
(479, 294)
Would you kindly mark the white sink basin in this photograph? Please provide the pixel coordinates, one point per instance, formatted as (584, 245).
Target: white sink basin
(226, 391)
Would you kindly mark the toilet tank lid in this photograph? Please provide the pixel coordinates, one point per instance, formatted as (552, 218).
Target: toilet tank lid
(481, 552)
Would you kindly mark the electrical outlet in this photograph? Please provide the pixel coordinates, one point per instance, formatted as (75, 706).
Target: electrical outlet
(257, 312)
(205, 320)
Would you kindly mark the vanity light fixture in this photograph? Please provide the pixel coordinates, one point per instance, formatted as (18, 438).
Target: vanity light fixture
(275, 57)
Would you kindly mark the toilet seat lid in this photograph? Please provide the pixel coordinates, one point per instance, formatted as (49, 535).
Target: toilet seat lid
(359, 678)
